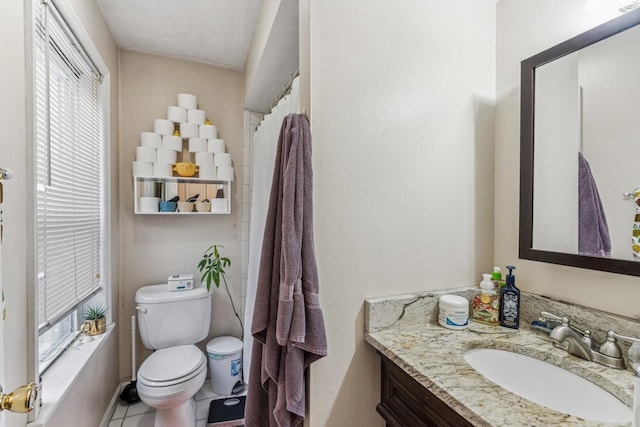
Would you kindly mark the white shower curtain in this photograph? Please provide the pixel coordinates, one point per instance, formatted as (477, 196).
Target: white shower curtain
(265, 141)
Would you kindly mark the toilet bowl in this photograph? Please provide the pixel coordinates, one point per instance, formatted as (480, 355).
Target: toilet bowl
(171, 323)
(168, 380)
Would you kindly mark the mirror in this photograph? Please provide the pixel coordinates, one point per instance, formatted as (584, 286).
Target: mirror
(580, 126)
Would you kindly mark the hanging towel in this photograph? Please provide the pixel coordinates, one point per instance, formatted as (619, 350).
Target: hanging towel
(593, 232)
(288, 326)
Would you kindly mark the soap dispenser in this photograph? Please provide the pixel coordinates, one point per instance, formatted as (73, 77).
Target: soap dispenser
(485, 304)
(496, 278)
(510, 302)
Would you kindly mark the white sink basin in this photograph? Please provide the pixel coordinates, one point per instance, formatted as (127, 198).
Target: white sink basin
(548, 385)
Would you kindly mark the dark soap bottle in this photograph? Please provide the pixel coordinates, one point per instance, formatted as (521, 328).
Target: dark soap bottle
(510, 302)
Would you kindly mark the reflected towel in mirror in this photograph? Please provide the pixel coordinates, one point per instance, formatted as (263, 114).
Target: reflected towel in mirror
(593, 231)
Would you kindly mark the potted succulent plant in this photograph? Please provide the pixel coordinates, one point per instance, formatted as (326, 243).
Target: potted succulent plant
(95, 321)
(212, 267)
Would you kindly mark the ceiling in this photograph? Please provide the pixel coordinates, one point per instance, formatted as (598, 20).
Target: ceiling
(211, 31)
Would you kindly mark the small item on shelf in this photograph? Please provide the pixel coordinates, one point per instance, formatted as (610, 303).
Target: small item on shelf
(168, 206)
(193, 198)
(203, 206)
(185, 206)
(220, 192)
(185, 168)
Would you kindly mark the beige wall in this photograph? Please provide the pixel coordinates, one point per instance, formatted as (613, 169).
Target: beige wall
(86, 402)
(402, 102)
(153, 247)
(15, 153)
(525, 28)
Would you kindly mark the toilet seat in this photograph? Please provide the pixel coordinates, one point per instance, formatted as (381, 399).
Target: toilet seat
(171, 366)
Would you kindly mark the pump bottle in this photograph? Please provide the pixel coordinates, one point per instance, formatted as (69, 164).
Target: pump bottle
(510, 302)
(485, 304)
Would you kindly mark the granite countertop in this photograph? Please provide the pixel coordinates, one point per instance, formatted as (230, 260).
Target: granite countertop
(433, 355)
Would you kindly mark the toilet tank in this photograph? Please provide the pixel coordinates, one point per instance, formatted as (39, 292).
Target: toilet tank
(167, 319)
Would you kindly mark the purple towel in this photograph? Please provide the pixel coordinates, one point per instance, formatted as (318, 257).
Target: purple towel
(593, 232)
(288, 326)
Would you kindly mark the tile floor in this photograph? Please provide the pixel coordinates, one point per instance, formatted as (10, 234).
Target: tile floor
(141, 415)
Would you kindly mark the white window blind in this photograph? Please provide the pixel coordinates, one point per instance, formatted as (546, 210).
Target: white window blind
(69, 168)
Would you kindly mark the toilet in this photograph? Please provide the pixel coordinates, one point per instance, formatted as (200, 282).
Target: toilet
(171, 323)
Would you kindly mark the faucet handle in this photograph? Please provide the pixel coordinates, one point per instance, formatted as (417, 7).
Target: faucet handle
(610, 347)
(550, 316)
(633, 354)
(623, 337)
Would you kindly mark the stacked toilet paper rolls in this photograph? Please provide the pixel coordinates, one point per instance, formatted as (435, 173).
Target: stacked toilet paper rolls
(208, 131)
(164, 155)
(216, 146)
(207, 171)
(172, 142)
(224, 173)
(176, 114)
(189, 130)
(222, 159)
(186, 126)
(150, 139)
(187, 101)
(197, 144)
(196, 116)
(146, 154)
(163, 170)
(204, 158)
(163, 127)
(142, 168)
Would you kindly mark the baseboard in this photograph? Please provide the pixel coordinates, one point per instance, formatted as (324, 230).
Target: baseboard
(106, 418)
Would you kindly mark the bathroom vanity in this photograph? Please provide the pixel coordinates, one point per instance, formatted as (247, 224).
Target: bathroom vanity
(405, 402)
(425, 379)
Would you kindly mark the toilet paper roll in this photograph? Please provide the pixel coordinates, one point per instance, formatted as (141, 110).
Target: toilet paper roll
(187, 101)
(142, 168)
(163, 170)
(222, 159)
(146, 154)
(207, 171)
(219, 205)
(149, 204)
(216, 146)
(176, 114)
(150, 139)
(204, 158)
(171, 142)
(197, 144)
(208, 131)
(163, 127)
(196, 116)
(224, 173)
(189, 130)
(164, 155)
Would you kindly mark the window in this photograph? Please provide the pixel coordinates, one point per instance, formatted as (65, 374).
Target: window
(70, 203)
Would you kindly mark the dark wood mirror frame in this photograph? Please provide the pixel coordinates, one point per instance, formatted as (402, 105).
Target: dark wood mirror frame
(527, 145)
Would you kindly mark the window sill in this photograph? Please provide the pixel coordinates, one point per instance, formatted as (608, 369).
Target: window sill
(58, 379)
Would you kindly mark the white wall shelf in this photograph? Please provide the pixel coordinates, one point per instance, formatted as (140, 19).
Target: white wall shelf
(184, 187)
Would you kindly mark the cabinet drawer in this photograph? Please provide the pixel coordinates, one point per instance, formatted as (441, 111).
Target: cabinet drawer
(406, 403)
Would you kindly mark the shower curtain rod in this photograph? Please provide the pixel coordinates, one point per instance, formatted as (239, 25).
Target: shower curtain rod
(285, 88)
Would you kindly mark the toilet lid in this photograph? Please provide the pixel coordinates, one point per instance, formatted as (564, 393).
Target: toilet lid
(173, 363)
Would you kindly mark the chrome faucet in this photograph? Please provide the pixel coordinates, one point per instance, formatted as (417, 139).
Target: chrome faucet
(579, 343)
(575, 344)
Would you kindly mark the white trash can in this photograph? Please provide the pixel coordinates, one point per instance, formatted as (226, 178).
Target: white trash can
(225, 364)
